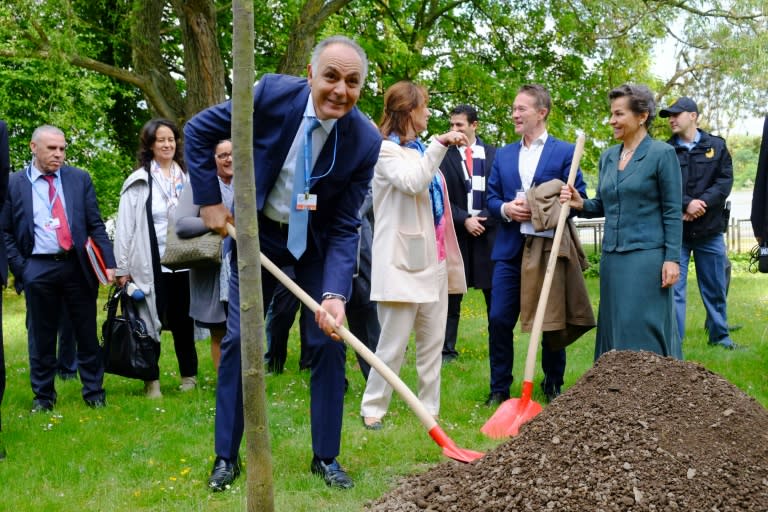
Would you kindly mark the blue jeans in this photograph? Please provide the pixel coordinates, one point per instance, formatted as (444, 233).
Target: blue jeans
(710, 259)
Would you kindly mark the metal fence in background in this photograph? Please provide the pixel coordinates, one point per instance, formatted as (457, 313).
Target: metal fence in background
(739, 237)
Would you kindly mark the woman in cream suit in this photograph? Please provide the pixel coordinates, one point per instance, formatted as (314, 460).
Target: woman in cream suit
(416, 258)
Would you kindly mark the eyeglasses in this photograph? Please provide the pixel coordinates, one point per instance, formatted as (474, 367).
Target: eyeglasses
(224, 156)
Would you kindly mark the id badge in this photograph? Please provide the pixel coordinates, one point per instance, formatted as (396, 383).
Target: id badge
(52, 224)
(306, 202)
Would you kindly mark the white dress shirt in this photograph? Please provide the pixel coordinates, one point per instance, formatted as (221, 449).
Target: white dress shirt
(278, 204)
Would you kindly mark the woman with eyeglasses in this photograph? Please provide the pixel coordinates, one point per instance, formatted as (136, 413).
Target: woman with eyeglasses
(209, 288)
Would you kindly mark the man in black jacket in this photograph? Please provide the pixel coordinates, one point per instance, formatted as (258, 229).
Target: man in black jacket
(759, 216)
(707, 181)
(466, 170)
(5, 168)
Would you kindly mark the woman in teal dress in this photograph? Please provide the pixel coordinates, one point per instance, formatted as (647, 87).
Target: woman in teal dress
(639, 193)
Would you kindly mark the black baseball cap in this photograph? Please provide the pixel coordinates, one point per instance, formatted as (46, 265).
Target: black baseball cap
(684, 104)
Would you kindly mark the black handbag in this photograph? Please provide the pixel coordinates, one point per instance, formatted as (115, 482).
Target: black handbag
(762, 258)
(126, 347)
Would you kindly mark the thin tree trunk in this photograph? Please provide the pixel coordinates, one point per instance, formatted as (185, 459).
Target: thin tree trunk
(260, 494)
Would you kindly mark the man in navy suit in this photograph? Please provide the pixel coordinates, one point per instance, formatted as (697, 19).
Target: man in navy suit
(50, 213)
(5, 168)
(536, 159)
(345, 148)
(465, 181)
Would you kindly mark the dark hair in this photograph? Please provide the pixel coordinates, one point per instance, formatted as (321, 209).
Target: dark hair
(399, 100)
(640, 100)
(540, 94)
(148, 137)
(467, 110)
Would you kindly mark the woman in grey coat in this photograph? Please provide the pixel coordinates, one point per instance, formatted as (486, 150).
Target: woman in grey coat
(148, 201)
(209, 285)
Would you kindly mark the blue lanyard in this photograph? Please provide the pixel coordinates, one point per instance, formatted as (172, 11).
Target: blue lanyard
(308, 160)
(49, 204)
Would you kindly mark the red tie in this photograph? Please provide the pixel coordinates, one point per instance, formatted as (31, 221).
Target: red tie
(468, 153)
(63, 235)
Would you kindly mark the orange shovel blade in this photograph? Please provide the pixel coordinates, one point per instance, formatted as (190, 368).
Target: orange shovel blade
(512, 414)
(449, 447)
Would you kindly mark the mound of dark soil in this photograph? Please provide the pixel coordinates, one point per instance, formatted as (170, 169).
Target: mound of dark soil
(636, 432)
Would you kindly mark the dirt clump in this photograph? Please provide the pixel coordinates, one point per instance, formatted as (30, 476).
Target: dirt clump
(637, 432)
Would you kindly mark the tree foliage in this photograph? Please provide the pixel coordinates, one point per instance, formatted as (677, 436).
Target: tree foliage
(103, 67)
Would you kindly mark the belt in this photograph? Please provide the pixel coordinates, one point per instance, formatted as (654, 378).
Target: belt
(265, 221)
(59, 256)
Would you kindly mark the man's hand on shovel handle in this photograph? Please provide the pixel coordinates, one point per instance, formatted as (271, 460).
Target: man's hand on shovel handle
(329, 316)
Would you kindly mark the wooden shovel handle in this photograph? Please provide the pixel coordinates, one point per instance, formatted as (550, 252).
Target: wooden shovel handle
(350, 339)
(541, 308)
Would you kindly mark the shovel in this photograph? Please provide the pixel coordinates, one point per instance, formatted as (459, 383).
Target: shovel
(438, 435)
(513, 413)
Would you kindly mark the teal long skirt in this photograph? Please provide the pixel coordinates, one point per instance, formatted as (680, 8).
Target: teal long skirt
(635, 312)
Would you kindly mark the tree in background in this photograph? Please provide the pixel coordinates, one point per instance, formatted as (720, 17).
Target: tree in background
(125, 61)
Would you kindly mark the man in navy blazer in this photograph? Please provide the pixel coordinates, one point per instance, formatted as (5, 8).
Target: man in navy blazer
(345, 150)
(5, 168)
(475, 228)
(50, 274)
(536, 159)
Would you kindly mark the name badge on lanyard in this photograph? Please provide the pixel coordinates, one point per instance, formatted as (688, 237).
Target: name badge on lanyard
(306, 201)
(52, 224)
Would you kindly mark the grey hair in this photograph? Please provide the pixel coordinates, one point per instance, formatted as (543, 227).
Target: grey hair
(46, 128)
(325, 43)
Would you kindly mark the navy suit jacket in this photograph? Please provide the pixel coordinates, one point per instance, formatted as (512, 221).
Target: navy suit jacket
(5, 169)
(453, 171)
(504, 182)
(279, 102)
(83, 216)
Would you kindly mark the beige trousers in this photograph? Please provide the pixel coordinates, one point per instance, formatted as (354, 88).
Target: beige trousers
(397, 320)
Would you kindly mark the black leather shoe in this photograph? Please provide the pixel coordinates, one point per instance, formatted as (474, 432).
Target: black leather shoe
(550, 392)
(99, 403)
(333, 474)
(41, 406)
(495, 399)
(223, 474)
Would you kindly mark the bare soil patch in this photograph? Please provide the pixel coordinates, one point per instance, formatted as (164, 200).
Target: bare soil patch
(637, 432)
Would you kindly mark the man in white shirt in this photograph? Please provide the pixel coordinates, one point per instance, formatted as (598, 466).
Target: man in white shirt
(535, 159)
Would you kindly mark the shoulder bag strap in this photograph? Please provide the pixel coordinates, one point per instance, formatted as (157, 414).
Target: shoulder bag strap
(157, 271)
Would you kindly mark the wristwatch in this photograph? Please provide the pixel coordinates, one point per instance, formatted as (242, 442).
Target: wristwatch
(329, 295)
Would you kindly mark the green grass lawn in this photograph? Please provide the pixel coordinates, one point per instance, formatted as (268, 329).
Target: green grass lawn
(142, 455)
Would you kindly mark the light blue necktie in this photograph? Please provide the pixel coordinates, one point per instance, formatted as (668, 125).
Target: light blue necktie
(297, 221)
